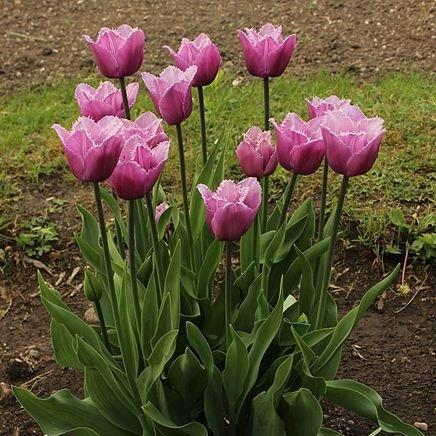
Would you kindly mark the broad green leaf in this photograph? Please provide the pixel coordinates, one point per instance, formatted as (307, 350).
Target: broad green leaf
(301, 413)
(199, 343)
(109, 199)
(246, 313)
(62, 412)
(214, 408)
(366, 402)
(208, 269)
(306, 351)
(172, 285)
(90, 229)
(92, 255)
(62, 342)
(306, 298)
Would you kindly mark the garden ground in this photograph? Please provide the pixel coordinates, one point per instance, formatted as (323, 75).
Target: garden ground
(392, 350)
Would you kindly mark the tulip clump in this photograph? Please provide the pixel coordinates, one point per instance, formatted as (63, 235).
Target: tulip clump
(178, 349)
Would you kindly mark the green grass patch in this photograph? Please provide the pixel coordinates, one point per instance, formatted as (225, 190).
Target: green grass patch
(403, 178)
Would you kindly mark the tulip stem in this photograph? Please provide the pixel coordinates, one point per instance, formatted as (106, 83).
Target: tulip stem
(155, 241)
(287, 200)
(120, 239)
(202, 124)
(133, 279)
(328, 265)
(103, 328)
(185, 193)
(125, 99)
(266, 102)
(228, 292)
(264, 203)
(325, 175)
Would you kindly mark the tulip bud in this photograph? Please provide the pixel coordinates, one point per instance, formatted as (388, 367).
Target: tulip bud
(92, 148)
(300, 147)
(256, 153)
(160, 209)
(352, 143)
(203, 54)
(171, 93)
(118, 52)
(105, 100)
(231, 210)
(92, 287)
(266, 53)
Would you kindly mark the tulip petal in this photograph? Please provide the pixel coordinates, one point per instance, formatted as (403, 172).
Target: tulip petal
(176, 103)
(250, 159)
(131, 54)
(336, 151)
(361, 162)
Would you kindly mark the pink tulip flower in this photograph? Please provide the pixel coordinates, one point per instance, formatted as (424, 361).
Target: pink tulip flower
(257, 154)
(351, 144)
(300, 147)
(118, 52)
(138, 168)
(266, 53)
(231, 210)
(105, 100)
(202, 53)
(160, 209)
(92, 148)
(148, 126)
(318, 107)
(171, 93)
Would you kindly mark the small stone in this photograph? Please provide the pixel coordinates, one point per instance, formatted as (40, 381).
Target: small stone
(90, 316)
(47, 51)
(421, 426)
(34, 353)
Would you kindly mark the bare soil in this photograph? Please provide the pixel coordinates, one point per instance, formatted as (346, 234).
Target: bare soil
(41, 40)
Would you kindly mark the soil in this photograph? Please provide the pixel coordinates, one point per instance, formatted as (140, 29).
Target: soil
(42, 39)
(391, 351)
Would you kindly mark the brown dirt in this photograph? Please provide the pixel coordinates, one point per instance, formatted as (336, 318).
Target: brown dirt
(396, 349)
(41, 39)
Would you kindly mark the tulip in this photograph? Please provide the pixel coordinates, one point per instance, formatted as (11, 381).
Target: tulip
(92, 148)
(266, 53)
(118, 52)
(171, 93)
(160, 209)
(148, 126)
(300, 147)
(231, 210)
(105, 100)
(351, 143)
(202, 53)
(138, 168)
(318, 107)
(256, 153)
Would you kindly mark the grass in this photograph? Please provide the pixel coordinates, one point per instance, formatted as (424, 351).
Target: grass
(402, 179)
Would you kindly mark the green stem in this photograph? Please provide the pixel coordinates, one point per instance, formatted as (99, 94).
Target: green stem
(329, 260)
(325, 175)
(155, 241)
(266, 102)
(202, 124)
(125, 99)
(133, 279)
(228, 291)
(264, 203)
(185, 192)
(287, 200)
(102, 325)
(114, 302)
(119, 233)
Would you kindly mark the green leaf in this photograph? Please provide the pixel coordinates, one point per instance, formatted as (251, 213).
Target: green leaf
(172, 285)
(62, 412)
(307, 289)
(109, 199)
(199, 343)
(328, 361)
(301, 413)
(306, 351)
(245, 316)
(90, 229)
(265, 405)
(214, 409)
(208, 269)
(169, 428)
(62, 342)
(366, 402)
(92, 255)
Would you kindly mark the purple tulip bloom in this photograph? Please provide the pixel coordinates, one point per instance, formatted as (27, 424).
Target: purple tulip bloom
(202, 53)
(148, 126)
(318, 107)
(266, 53)
(138, 168)
(118, 52)
(351, 144)
(231, 210)
(105, 100)
(92, 148)
(257, 154)
(300, 147)
(160, 209)
(171, 93)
